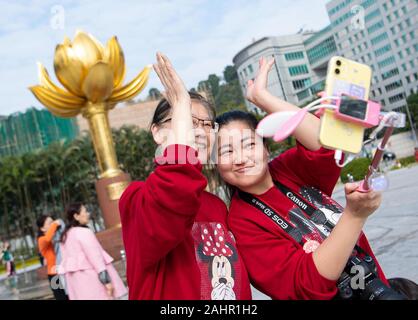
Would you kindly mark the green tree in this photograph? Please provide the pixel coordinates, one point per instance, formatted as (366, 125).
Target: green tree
(135, 149)
(154, 94)
(412, 102)
(46, 180)
(230, 74)
(229, 97)
(203, 86)
(214, 81)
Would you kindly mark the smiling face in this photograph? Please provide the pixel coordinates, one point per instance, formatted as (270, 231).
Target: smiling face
(83, 217)
(204, 134)
(242, 156)
(203, 131)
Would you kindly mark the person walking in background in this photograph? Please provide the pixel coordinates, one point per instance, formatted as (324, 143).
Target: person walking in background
(47, 228)
(8, 259)
(88, 270)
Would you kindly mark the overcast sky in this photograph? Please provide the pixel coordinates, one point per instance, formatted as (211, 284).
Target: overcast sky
(200, 37)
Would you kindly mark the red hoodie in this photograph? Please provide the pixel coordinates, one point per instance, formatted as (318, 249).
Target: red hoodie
(175, 235)
(276, 263)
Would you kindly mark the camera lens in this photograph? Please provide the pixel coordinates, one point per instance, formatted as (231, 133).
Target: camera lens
(338, 62)
(337, 71)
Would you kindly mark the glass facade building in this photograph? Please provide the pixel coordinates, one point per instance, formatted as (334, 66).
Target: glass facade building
(380, 33)
(32, 130)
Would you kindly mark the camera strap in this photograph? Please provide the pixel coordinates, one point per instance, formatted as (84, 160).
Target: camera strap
(308, 208)
(269, 212)
(296, 233)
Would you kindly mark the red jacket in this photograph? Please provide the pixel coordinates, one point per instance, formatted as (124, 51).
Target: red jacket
(276, 263)
(175, 235)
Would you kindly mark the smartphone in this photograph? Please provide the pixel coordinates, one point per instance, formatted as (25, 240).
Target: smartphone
(353, 79)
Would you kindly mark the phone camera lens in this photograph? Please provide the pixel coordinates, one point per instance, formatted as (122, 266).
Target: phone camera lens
(337, 71)
(338, 62)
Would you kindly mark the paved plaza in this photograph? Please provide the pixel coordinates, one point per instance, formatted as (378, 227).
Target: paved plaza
(393, 229)
(392, 232)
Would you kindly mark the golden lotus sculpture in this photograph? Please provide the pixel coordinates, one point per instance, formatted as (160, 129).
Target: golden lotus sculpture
(92, 78)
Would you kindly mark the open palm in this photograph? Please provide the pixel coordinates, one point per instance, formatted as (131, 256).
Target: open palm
(258, 87)
(175, 90)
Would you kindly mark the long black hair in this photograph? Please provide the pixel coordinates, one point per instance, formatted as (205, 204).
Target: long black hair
(237, 115)
(40, 223)
(71, 222)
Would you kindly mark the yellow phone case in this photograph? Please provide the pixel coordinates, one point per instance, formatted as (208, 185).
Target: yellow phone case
(353, 79)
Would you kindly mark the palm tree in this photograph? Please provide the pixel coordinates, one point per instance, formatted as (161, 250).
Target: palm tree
(45, 181)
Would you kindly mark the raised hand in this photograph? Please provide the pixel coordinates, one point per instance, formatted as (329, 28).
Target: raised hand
(257, 93)
(179, 100)
(175, 90)
(331, 256)
(257, 89)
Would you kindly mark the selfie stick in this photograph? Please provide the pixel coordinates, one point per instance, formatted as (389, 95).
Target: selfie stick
(273, 125)
(389, 118)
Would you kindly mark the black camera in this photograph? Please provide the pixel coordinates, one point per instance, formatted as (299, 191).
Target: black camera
(372, 289)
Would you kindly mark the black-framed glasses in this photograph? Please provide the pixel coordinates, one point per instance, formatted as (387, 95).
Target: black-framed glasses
(206, 124)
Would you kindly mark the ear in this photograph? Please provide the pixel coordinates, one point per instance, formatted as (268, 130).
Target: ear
(75, 215)
(202, 256)
(234, 256)
(266, 148)
(157, 134)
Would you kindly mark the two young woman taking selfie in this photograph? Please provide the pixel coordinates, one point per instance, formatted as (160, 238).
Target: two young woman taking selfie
(182, 243)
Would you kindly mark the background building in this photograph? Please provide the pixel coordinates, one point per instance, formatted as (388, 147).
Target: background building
(292, 72)
(33, 129)
(137, 114)
(382, 34)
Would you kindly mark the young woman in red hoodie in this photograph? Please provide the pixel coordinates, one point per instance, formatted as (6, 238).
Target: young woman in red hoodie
(271, 199)
(175, 235)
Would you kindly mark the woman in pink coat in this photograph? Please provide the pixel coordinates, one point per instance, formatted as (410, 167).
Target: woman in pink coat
(89, 273)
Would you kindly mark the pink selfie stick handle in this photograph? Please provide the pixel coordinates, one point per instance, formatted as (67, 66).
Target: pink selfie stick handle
(364, 184)
(364, 187)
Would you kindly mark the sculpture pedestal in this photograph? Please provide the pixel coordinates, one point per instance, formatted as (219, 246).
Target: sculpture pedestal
(109, 191)
(111, 241)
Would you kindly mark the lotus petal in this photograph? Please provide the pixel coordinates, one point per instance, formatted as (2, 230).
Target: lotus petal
(46, 82)
(98, 45)
(115, 58)
(69, 70)
(98, 84)
(86, 49)
(66, 42)
(53, 102)
(132, 88)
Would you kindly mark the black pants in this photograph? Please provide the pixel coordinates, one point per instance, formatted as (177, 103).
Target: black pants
(59, 293)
